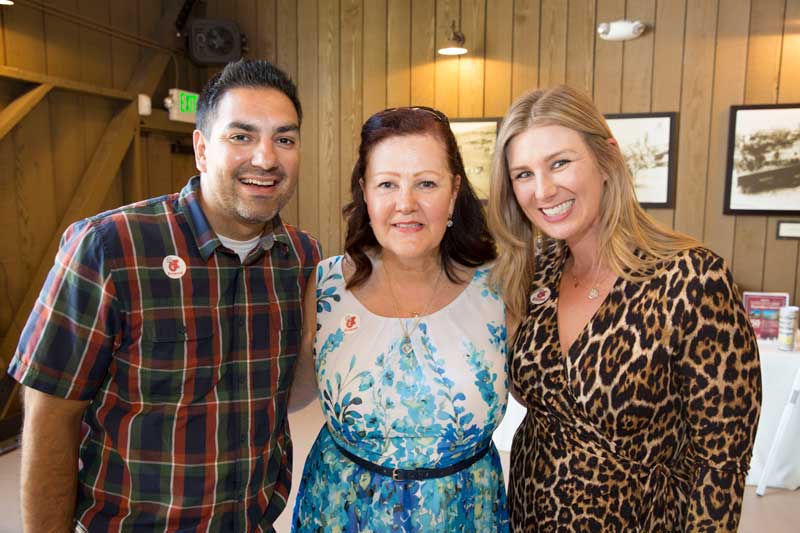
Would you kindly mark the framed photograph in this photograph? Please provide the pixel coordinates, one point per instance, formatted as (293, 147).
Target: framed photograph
(648, 142)
(762, 308)
(476, 139)
(763, 172)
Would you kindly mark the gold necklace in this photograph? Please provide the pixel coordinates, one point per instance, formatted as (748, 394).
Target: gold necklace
(594, 290)
(405, 344)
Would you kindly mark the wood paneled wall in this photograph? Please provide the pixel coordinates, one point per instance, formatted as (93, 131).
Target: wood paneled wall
(698, 57)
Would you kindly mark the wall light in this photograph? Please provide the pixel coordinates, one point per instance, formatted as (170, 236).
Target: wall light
(455, 42)
(621, 30)
(6, 2)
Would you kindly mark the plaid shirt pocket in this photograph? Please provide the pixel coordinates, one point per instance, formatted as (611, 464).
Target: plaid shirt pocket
(177, 359)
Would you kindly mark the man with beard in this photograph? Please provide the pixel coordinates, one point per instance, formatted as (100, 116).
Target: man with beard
(159, 354)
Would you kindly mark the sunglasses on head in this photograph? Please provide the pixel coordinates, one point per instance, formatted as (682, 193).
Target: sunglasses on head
(438, 115)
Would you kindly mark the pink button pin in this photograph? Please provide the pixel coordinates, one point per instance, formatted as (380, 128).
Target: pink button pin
(350, 323)
(540, 295)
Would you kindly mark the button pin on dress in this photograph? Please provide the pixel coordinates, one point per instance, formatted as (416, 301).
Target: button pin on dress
(350, 322)
(540, 295)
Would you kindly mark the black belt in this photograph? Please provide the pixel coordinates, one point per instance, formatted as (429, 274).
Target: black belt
(417, 474)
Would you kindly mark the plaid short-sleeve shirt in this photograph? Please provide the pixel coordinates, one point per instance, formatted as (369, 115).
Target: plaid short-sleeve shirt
(186, 354)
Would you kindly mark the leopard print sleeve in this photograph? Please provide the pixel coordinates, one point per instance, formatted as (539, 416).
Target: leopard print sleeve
(720, 383)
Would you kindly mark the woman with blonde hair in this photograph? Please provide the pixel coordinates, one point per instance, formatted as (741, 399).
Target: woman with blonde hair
(631, 349)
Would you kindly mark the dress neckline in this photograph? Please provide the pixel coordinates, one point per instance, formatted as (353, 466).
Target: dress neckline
(584, 331)
(451, 303)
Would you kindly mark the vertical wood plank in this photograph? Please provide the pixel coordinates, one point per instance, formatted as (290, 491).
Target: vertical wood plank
(29, 172)
(525, 67)
(667, 72)
(471, 64)
(729, 78)
(781, 258)
(24, 39)
(124, 54)
(446, 85)
(553, 52)
(66, 110)
(286, 57)
(352, 51)
(159, 180)
(307, 85)
(637, 63)
(789, 88)
(761, 87)
(374, 24)
(13, 276)
(33, 175)
(701, 18)
(247, 18)
(329, 124)
(423, 70)
(607, 90)
(266, 30)
(581, 30)
(499, 63)
(398, 53)
(95, 67)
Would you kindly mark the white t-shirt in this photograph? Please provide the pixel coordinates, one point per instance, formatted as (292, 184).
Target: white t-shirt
(242, 248)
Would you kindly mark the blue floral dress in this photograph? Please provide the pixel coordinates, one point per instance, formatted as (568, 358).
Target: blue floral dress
(432, 407)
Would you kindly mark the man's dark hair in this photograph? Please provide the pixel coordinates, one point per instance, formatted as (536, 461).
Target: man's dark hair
(468, 242)
(247, 73)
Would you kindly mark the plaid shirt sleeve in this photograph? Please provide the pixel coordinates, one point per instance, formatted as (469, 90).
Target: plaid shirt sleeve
(67, 344)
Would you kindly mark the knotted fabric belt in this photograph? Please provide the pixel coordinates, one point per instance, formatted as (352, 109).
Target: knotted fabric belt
(416, 474)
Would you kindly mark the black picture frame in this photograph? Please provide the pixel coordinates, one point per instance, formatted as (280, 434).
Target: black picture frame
(476, 138)
(649, 143)
(762, 174)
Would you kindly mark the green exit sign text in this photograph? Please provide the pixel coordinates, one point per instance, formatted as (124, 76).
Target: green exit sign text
(182, 105)
(188, 102)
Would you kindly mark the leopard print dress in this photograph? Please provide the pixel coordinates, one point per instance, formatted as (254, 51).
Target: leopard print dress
(648, 423)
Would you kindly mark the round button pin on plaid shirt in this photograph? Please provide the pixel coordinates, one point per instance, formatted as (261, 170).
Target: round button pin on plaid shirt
(174, 267)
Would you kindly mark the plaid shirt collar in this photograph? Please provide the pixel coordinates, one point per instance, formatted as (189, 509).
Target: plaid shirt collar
(205, 236)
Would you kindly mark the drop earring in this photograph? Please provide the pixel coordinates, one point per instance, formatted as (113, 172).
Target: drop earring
(449, 222)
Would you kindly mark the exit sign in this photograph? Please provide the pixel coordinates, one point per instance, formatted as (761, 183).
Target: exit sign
(182, 105)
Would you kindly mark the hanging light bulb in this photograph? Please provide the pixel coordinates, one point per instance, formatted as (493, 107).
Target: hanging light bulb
(455, 42)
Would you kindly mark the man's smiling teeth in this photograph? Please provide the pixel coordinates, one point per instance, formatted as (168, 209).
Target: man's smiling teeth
(260, 183)
(559, 209)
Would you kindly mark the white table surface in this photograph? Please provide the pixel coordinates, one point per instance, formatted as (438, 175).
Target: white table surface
(777, 374)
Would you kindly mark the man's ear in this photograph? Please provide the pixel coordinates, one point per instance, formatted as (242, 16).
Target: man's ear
(199, 143)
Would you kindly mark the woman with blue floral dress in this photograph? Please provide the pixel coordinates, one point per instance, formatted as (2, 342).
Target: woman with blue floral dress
(409, 346)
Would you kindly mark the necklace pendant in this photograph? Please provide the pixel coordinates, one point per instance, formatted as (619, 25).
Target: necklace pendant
(594, 292)
(406, 346)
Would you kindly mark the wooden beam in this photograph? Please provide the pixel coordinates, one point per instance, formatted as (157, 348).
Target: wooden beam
(64, 83)
(149, 72)
(16, 110)
(159, 121)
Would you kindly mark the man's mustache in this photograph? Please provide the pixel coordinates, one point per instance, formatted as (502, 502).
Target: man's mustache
(273, 172)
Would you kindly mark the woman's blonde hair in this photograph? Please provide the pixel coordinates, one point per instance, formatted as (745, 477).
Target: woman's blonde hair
(631, 243)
